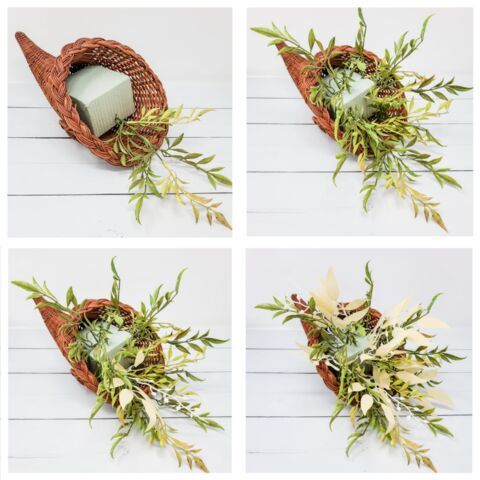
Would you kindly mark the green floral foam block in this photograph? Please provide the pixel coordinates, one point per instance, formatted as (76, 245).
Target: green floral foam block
(100, 96)
(355, 97)
(113, 341)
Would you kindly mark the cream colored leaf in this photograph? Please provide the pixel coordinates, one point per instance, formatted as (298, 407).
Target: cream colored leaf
(428, 375)
(381, 378)
(398, 337)
(151, 411)
(409, 378)
(425, 403)
(365, 356)
(117, 382)
(356, 387)
(432, 322)
(331, 285)
(439, 396)
(125, 397)
(396, 310)
(324, 304)
(356, 317)
(338, 322)
(390, 416)
(416, 337)
(354, 304)
(139, 358)
(366, 403)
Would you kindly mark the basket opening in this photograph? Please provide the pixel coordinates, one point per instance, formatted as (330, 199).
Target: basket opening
(97, 313)
(145, 85)
(339, 61)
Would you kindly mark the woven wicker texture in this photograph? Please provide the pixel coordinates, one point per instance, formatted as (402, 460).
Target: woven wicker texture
(56, 322)
(328, 375)
(306, 78)
(51, 74)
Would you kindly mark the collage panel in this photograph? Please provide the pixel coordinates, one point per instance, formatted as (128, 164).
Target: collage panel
(104, 329)
(373, 342)
(153, 149)
(356, 124)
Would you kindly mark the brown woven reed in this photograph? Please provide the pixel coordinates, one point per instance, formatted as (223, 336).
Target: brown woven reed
(51, 74)
(92, 310)
(305, 78)
(327, 374)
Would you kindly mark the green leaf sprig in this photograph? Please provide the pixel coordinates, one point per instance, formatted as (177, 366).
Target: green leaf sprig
(385, 365)
(140, 390)
(386, 142)
(132, 142)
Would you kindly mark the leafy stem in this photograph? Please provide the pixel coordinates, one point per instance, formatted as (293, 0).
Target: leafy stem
(136, 150)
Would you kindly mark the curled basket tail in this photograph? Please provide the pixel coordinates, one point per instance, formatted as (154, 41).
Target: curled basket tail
(328, 376)
(305, 78)
(51, 74)
(64, 335)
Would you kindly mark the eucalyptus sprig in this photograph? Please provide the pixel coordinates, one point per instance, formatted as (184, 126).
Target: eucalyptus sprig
(385, 365)
(132, 142)
(383, 140)
(149, 375)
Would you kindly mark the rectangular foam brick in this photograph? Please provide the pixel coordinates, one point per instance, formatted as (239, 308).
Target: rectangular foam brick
(356, 98)
(116, 340)
(100, 96)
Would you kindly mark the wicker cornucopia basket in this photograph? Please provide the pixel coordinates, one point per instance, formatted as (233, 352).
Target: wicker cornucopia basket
(64, 336)
(328, 375)
(305, 78)
(51, 74)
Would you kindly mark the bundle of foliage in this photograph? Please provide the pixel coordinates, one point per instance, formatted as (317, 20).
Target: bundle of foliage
(386, 141)
(136, 150)
(149, 375)
(385, 365)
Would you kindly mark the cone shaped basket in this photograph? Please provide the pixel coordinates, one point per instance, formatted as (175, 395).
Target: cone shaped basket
(51, 74)
(305, 79)
(63, 328)
(328, 376)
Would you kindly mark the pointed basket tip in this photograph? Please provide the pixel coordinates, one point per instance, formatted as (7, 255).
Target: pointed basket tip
(24, 41)
(55, 322)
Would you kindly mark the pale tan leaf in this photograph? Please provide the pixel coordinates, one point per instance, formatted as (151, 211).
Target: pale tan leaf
(439, 396)
(398, 337)
(139, 358)
(117, 382)
(354, 304)
(428, 375)
(409, 378)
(356, 317)
(396, 310)
(356, 387)
(432, 322)
(366, 403)
(390, 416)
(125, 397)
(324, 304)
(151, 411)
(416, 337)
(381, 378)
(331, 285)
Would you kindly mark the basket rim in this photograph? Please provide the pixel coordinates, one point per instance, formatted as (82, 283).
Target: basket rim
(62, 103)
(322, 117)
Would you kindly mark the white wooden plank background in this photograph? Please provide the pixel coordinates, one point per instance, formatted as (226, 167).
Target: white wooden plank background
(291, 163)
(48, 408)
(46, 401)
(58, 188)
(288, 406)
